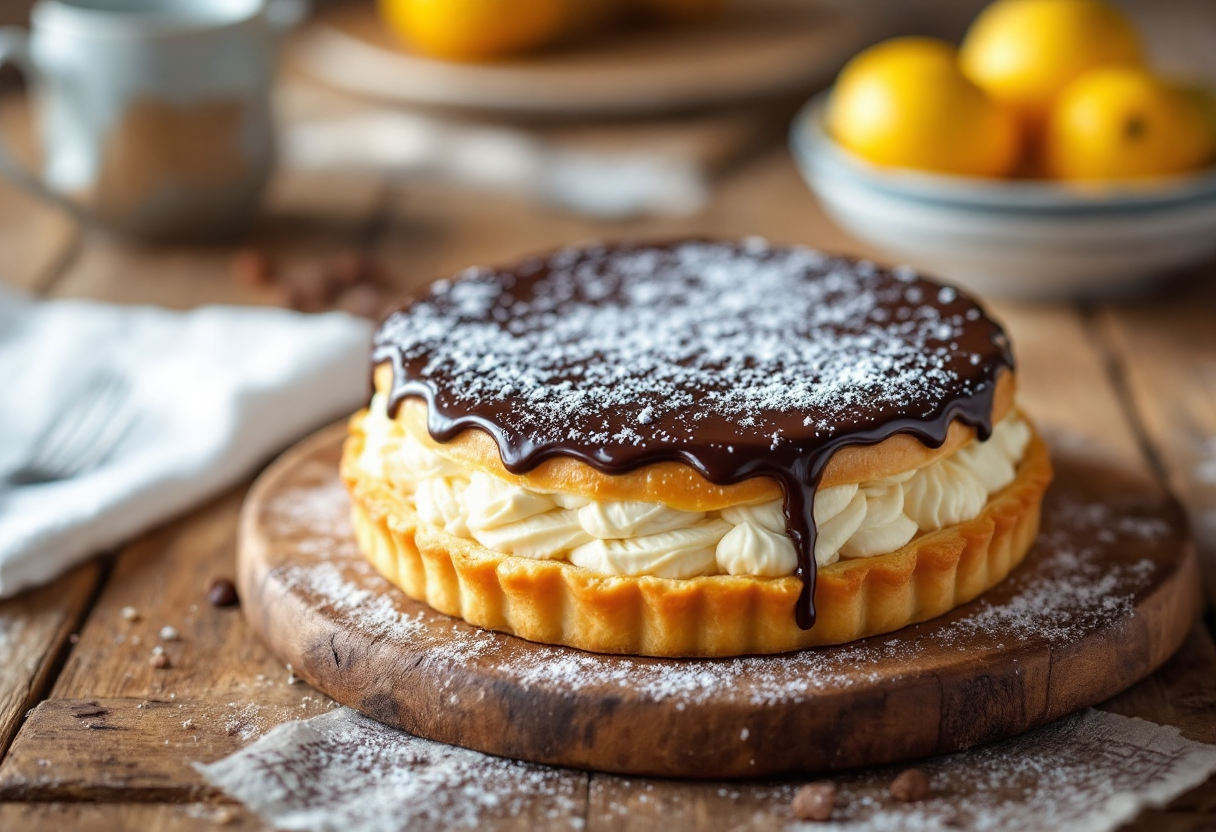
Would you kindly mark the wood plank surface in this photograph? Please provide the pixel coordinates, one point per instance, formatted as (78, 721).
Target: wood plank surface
(219, 676)
(34, 630)
(144, 817)
(120, 749)
(161, 579)
(1165, 348)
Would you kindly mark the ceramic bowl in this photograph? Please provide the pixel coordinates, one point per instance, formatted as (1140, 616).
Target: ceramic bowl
(1028, 239)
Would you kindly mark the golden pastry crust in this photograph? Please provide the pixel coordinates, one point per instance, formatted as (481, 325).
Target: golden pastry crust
(675, 484)
(556, 602)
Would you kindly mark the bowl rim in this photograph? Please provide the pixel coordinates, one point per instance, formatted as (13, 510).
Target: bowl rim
(820, 156)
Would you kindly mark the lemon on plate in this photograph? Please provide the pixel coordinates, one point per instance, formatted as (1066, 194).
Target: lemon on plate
(905, 103)
(471, 30)
(1025, 52)
(1125, 123)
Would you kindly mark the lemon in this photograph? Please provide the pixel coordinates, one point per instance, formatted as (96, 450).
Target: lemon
(1121, 123)
(474, 29)
(906, 103)
(1024, 52)
(1205, 100)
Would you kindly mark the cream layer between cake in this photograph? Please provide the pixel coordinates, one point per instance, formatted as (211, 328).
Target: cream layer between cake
(648, 538)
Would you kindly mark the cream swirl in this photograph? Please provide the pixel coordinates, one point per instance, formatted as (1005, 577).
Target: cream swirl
(644, 538)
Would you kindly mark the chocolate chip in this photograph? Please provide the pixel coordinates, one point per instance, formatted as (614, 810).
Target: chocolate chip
(251, 267)
(815, 801)
(910, 786)
(159, 660)
(221, 593)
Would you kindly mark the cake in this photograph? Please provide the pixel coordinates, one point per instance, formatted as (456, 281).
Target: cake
(697, 448)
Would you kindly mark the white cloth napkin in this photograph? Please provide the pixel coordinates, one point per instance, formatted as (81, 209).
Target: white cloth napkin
(211, 394)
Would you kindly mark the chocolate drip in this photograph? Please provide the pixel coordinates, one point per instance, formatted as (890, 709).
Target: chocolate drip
(740, 360)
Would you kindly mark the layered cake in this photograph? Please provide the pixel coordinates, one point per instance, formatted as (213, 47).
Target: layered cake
(693, 449)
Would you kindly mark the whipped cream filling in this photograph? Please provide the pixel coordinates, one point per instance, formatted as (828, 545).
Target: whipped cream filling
(645, 538)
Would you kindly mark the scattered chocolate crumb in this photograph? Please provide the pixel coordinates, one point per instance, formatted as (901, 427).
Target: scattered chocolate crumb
(251, 267)
(221, 592)
(168, 633)
(364, 300)
(160, 661)
(815, 801)
(129, 613)
(349, 278)
(910, 786)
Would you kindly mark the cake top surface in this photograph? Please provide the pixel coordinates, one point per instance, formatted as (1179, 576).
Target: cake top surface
(635, 348)
(740, 359)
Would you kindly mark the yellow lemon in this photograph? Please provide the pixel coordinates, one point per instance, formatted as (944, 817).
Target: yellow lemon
(1024, 52)
(905, 103)
(1121, 123)
(1204, 99)
(474, 29)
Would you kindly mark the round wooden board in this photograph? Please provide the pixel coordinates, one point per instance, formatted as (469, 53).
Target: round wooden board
(757, 48)
(1109, 592)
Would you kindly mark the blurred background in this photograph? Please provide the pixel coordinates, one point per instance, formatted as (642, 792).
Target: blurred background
(404, 154)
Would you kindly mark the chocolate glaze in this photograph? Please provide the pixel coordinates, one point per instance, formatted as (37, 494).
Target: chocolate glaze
(738, 359)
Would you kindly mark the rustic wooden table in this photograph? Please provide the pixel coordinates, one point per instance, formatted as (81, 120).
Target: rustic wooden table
(93, 737)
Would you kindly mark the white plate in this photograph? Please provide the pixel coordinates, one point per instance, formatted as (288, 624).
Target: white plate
(1020, 238)
(756, 48)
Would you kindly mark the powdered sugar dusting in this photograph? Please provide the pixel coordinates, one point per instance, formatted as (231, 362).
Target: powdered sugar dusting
(342, 771)
(667, 338)
(1089, 772)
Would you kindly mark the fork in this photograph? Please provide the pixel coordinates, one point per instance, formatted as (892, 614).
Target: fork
(83, 435)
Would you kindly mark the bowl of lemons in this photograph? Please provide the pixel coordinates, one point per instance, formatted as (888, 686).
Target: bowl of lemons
(1044, 158)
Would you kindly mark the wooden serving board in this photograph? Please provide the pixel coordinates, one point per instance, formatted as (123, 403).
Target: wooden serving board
(1107, 595)
(756, 48)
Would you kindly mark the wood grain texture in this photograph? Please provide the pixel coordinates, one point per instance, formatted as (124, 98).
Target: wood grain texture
(931, 688)
(107, 817)
(1165, 348)
(118, 750)
(163, 578)
(34, 629)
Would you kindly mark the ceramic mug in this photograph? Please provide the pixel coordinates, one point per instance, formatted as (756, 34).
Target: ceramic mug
(154, 115)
